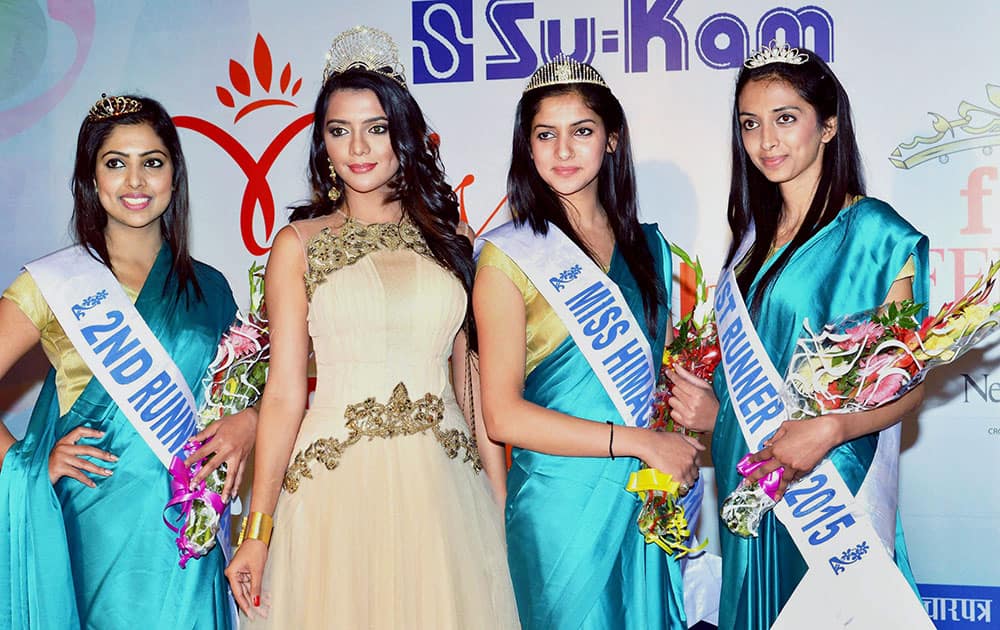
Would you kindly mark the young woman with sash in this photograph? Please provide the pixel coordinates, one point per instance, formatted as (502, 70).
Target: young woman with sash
(382, 516)
(129, 322)
(808, 245)
(571, 301)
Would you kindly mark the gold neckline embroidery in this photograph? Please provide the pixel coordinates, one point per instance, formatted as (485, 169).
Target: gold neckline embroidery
(329, 251)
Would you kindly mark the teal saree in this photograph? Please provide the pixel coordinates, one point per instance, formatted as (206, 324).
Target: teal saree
(845, 268)
(80, 557)
(577, 559)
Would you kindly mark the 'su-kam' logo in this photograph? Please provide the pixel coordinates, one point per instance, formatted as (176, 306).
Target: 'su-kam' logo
(443, 47)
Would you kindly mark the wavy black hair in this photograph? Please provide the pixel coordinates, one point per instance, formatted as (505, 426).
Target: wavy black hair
(532, 201)
(419, 184)
(89, 216)
(756, 202)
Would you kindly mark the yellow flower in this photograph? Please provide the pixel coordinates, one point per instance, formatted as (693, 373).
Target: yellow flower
(937, 345)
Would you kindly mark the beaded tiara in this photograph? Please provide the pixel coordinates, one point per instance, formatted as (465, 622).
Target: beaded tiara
(564, 70)
(772, 53)
(365, 48)
(112, 106)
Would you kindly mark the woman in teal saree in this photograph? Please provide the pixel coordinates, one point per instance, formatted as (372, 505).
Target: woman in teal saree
(576, 557)
(820, 250)
(82, 495)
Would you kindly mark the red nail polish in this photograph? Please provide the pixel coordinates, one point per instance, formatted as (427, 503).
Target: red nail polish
(256, 600)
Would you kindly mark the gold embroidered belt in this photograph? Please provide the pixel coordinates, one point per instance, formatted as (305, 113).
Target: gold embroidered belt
(371, 419)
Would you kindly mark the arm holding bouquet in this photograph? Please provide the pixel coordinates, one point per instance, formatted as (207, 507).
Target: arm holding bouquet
(500, 314)
(800, 445)
(282, 407)
(858, 376)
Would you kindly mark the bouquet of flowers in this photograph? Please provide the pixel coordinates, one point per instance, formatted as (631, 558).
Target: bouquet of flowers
(233, 382)
(696, 348)
(861, 362)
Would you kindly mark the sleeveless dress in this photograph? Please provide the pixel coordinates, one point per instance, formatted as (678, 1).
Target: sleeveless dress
(101, 558)
(385, 520)
(871, 244)
(576, 557)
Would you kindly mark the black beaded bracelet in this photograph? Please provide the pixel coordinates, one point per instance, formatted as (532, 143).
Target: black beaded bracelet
(611, 441)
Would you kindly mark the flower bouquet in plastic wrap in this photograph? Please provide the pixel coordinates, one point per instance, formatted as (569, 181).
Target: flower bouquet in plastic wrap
(233, 382)
(695, 347)
(861, 362)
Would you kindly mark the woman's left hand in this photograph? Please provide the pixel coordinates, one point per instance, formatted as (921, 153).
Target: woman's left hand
(228, 441)
(798, 446)
(693, 404)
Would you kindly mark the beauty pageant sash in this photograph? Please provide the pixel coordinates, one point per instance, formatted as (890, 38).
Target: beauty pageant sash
(118, 347)
(594, 311)
(852, 580)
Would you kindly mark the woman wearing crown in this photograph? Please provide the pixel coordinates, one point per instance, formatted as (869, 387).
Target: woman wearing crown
(572, 303)
(382, 514)
(128, 320)
(808, 245)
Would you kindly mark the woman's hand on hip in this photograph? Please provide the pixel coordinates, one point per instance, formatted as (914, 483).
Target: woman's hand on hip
(66, 459)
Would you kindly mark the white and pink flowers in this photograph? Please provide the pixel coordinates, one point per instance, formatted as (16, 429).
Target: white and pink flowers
(863, 361)
(233, 381)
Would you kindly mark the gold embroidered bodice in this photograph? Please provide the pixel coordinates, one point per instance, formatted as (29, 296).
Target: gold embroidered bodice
(329, 251)
(382, 316)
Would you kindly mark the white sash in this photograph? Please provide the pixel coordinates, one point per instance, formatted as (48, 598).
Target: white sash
(118, 347)
(852, 580)
(594, 311)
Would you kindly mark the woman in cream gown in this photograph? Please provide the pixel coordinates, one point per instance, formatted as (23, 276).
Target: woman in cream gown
(385, 519)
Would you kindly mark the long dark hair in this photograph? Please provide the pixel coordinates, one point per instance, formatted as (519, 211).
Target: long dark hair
(419, 185)
(89, 216)
(532, 201)
(753, 200)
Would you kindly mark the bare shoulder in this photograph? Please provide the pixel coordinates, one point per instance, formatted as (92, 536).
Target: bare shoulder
(307, 229)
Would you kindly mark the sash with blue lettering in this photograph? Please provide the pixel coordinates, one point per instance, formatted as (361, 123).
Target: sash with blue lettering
(594, 311)
(852, 580)
(119, 348)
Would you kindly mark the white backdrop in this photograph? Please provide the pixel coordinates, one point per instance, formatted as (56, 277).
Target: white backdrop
(241, 78)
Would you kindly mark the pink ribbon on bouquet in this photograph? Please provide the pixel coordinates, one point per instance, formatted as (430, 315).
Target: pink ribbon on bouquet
(182, 495)
(769, 483)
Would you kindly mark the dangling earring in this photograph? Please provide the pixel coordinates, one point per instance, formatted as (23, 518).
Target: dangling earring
(334, 193)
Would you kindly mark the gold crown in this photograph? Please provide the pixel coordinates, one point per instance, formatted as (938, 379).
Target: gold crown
(772, 53)
(564, 70)
(111, 106)
(365, 48)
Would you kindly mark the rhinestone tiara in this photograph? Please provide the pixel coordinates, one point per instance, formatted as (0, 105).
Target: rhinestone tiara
(564, 70)
(772, 53)
(365, 48)
(111, 106)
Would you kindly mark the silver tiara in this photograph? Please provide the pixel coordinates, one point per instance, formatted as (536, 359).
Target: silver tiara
(562, 70)
(365, 48)
(772, 53)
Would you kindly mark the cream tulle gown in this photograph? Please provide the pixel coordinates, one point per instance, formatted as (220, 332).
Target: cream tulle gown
(384, 521)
